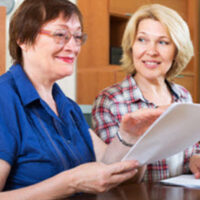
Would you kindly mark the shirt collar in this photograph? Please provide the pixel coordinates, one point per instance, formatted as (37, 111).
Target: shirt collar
(134, 94)
(177, 91)
(24, 86)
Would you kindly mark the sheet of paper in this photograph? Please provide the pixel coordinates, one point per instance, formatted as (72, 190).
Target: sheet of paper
(175, 130)
(183, 180)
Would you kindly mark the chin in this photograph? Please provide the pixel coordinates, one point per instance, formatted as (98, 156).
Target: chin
(68, 70)
(68, 73)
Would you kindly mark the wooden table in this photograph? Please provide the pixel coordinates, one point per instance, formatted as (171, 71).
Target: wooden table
(144, 191)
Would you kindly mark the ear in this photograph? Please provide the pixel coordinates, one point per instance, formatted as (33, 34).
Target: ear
(23, 46)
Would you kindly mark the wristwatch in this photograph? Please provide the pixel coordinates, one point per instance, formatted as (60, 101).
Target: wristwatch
(9, 4)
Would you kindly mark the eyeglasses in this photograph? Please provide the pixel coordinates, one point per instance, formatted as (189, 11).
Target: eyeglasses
(63, 36)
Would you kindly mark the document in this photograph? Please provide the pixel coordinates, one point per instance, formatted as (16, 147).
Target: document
(183, 180)
(175, 130)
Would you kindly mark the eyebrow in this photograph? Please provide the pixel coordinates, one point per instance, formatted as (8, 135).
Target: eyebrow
(67, 27)
(161, 36)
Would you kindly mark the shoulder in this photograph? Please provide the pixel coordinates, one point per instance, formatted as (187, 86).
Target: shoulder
(8, 106)
(117, 92)
(74, 105)
(6, 80)
(7, 87)
(10, 101)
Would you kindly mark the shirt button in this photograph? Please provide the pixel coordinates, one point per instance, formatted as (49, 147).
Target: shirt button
(68, 141)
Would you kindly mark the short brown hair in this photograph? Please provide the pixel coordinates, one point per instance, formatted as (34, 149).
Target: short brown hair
(178, 31)
(28, 19)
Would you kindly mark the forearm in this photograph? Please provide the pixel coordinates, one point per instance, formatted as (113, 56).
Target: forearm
(114, 151)
(108, 153)
(57, 187)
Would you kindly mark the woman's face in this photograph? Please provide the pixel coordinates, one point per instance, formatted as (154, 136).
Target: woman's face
(50, 57)
(153, 50)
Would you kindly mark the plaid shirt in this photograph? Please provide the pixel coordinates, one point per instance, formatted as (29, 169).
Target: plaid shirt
(115, 101)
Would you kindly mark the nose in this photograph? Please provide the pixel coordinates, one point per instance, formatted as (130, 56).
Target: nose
(152, 49)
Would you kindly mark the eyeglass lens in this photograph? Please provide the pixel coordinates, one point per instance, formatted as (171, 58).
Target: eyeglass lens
(63, 36)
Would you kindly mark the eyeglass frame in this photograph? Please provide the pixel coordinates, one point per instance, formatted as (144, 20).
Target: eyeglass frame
(65, 41)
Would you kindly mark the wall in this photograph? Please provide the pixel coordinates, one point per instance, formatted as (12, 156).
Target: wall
(199, 51)
(67, 84)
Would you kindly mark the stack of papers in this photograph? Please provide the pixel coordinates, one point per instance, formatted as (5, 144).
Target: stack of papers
(183, 180)
(175, 130)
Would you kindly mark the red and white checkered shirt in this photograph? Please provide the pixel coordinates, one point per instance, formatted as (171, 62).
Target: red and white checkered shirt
(124, 97)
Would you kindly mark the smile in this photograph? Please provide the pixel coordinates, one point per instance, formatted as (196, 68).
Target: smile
(151, 64)
(69, 60)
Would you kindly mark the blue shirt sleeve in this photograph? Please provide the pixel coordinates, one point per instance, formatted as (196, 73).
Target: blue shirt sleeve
(8, 145)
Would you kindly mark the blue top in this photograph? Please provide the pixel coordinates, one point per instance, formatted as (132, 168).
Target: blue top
(33, 139)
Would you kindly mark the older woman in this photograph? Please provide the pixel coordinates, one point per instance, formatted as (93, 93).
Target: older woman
(46, 149)
(156, 47)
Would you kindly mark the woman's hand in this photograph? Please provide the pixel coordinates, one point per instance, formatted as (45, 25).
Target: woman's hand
(134, 124)
(91, 177)
(195, 165)
(98, 177)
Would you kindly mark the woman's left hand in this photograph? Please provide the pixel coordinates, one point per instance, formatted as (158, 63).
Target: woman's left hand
(134, 124)
(195, 165)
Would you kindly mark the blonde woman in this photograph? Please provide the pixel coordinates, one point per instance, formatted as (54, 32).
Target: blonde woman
(156, 48)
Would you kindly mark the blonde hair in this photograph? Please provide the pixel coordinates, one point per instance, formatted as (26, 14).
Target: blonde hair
(178, 31)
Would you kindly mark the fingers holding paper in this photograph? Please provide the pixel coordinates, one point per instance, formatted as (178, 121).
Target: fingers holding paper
(98, 177)
(195, 165)
(134, 124)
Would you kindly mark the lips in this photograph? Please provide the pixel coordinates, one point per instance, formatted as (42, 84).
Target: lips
(66, 59)
(151, 64)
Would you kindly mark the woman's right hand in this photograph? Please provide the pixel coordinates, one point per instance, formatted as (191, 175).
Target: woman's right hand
(98, 177)
(134, 124)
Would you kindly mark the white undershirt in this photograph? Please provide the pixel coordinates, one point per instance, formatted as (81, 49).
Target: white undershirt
(175, 164)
